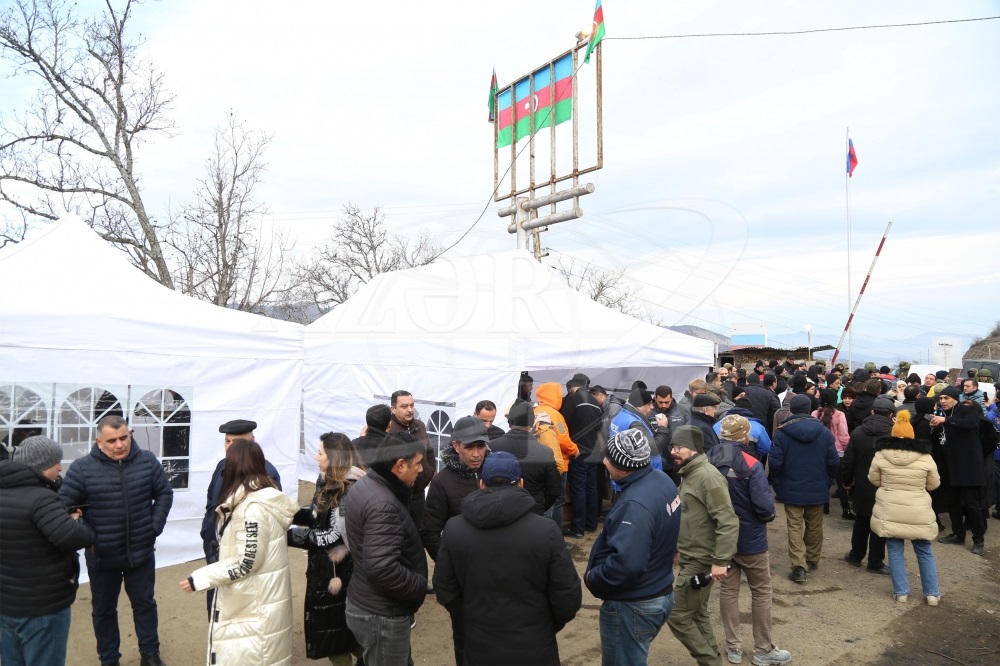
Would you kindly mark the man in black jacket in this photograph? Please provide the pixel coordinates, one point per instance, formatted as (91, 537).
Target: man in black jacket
(376, 424)
(38, 564)
(129, 497)
(763, 402)
(390, 571)
(538, 465)
(583, 420)
(506, 571)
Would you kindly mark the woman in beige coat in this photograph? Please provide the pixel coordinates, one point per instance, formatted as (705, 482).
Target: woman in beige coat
(251, 622)
(903, 471)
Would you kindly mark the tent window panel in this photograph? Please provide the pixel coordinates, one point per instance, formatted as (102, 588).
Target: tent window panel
(147, 435)
(161, 419)
(76, 426)
(178, 471)
(23, 414)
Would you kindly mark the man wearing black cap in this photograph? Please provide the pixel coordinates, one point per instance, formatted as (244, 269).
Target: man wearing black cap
(703, 410)
(537, 463)
(376, 425)
(631, 563)
(233, 430)
(583, 419)
(958, 429)
(506, 571)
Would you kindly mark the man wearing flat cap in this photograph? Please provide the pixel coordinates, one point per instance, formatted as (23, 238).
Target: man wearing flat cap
(631, 564)
(709, 535)
(233, 430)
(704, 407)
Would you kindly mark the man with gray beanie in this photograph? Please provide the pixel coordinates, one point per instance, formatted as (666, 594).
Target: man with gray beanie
(709, 535)
(803, 459)
(39, 569)
(631, 563)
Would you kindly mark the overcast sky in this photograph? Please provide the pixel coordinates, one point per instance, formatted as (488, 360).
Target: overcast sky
(723, 188)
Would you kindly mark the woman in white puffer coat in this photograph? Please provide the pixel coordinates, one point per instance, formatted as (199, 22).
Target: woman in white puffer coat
(903, 471)
(251, 620)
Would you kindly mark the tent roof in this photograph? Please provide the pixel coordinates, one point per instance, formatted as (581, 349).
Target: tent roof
(66, 288)
(503, 311)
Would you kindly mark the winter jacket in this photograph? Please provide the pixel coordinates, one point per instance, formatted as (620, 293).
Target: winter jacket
(209, 538)
(507, 573)
(760, 441)
(322, 534)
(251, 620)
(390, 568)
(803, 460)
(749, 492)
(545, 434)
(710, 529)
(706, 424)
(903, 472)
(444, 498)
(538, 467)
(367, 444)
(838, 426)
(428, 465)
(976, 397)
(550, 400)
(494, 432)
(38, 543)
(620, 416)
(763, 403)
(860, 410)
(583, 419)
(129, 502)
(858, 459)
(633, 556)
(993, 414)
(962, 446)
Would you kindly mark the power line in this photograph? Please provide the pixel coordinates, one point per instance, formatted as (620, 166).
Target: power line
(803, 32)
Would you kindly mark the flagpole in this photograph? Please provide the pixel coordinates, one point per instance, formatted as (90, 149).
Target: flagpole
(847, 193)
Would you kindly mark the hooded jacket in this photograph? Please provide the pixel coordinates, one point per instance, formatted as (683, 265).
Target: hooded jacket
(251, 620)
(507, 572)
(39, 568)
(803, 460)
(550, 400)
(860, 410)
(858, 459)
(749, 492)
(444, 498)
(129, 501)
(903, 472)
(760, 441)
(710, 529)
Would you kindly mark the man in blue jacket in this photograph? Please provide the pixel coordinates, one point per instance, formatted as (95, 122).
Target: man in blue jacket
(631, 563)
(129, 498)
(754, 507)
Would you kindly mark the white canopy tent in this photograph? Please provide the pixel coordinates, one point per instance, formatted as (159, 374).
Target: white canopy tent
(83, 334)
(461, 330)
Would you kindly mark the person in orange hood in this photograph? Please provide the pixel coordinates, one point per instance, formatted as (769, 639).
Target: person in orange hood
(549, 401)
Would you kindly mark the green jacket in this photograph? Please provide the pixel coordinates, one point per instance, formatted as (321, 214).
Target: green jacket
(709, 526)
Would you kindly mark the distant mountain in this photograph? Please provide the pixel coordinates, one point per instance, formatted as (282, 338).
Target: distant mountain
(699, 332)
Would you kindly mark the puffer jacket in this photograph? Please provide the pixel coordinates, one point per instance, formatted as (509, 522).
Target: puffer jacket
(38, 543)
(803, 460)
(209, 544)
(129, 502)
(858, 458)
(251, 620)
(904, 472)
(444, 498)
(549, 401)
(749, 492)
(390, 568)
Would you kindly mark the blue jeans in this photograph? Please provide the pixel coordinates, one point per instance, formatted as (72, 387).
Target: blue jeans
(629, 627)
(925, 560)
(385, 640)
(583, 494)
(105, 587)
(25, 641)
(555, 512)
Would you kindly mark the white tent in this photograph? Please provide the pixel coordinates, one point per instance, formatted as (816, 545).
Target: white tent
(461, 330)
(83, 333)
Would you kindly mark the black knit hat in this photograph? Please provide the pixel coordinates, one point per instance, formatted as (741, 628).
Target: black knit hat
(628, 450)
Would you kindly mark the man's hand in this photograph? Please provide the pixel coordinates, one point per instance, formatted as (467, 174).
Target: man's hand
(364, 431)
(661, 420)
(936, 421)
(718, 573)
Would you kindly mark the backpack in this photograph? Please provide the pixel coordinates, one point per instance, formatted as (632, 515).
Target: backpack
(546, 435)
(784, 412)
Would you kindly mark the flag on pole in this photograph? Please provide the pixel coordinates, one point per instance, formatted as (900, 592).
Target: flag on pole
(596, 31)
(852, 158)
(493, 96)
(532, 98)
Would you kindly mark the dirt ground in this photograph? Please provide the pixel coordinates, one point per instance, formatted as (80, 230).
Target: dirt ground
(842, 615)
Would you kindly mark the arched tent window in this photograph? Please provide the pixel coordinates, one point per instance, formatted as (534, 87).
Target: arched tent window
(439, 428)
(23, 414)
(161, 422)
(78, 416)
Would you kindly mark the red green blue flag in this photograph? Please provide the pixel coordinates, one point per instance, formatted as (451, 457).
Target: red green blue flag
(596, 31)
(493, 96)
(536, 98)
(852, 158)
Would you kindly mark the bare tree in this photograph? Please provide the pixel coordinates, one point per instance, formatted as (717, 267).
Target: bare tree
(218, 255)
(74, 148)
(359, 249)
(609, 287)
(12, 231)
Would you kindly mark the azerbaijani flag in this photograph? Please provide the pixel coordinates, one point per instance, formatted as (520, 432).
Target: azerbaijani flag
(596, 31)
(852, 158)
(493, 95)
(514, 112)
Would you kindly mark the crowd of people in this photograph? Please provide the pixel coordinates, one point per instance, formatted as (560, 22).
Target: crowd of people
(684, 486)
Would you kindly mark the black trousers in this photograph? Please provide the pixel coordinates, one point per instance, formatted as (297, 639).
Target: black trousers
(965, 506)
(863, 541)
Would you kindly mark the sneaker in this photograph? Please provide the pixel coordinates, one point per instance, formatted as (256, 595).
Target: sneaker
(883, 570)
(798, 575)
(775, 656)
(734, 656)
(952, 538)
(850, 560)
(901, 598)
(932, 600)
(570, 533)
(977, 548)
